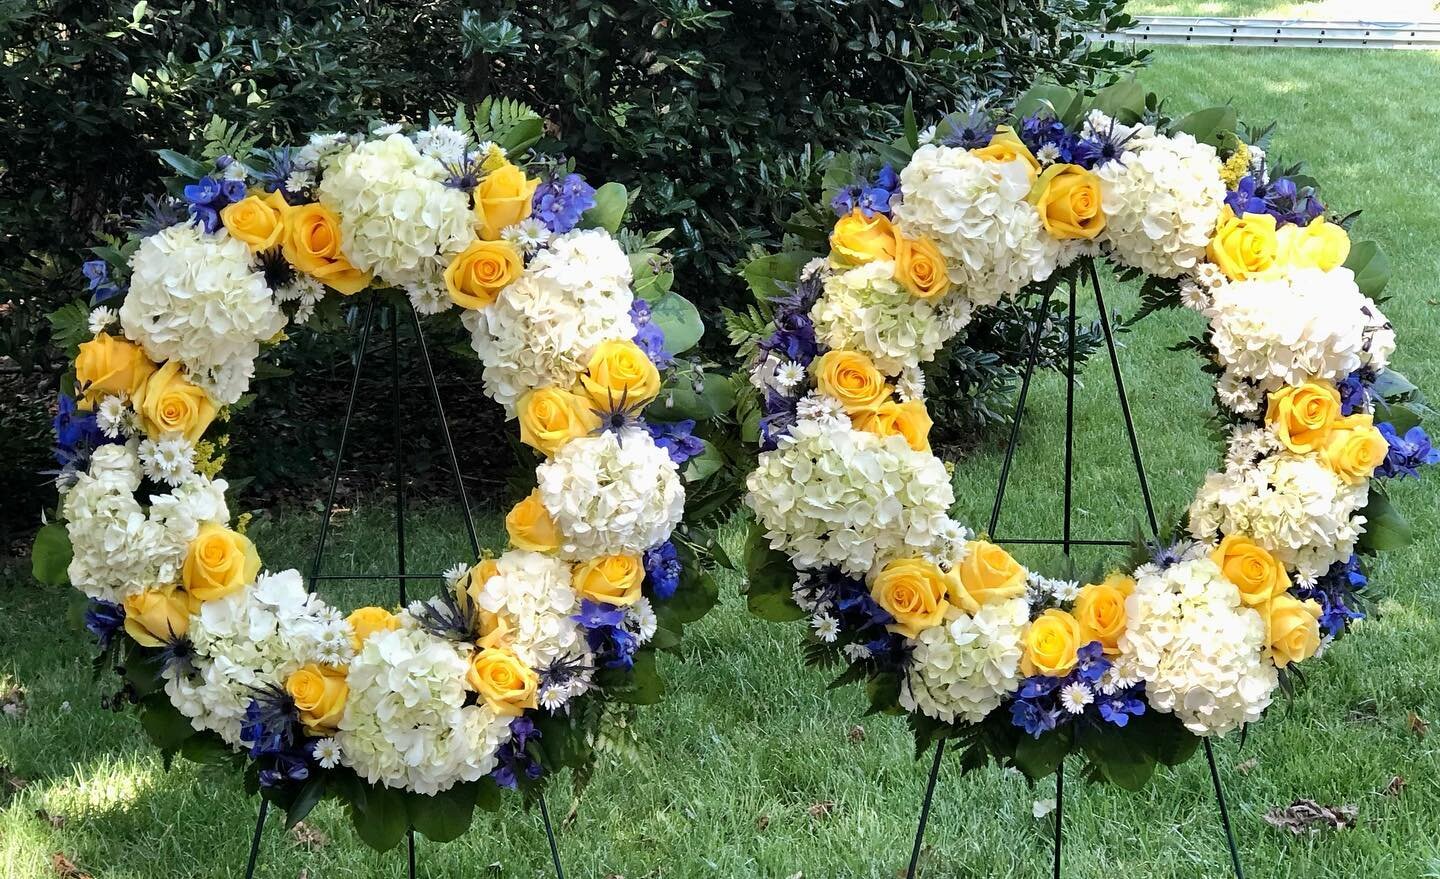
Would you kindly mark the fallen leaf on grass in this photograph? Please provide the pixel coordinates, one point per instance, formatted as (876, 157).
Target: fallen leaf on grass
(856, 735)
(761, 823)
(1304, 816)
(821, 809)
(1395, 787)
(1244, 767)
(65, 868)
(1419, 725)
(308, 836)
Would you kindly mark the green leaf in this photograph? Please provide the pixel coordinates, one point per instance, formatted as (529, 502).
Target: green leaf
(883, 691)
(679, 320)
(839, 173)
(187, 166)
(165, 726)
(1402, 416)
(209, 750)
(1121, 757)
(1123, 99)
(697, 593)
(1208, 125)
(912, 129)
(1385, 526)
(764, 275)
(768, 580)
(1371, 267)
(1390, 384)
(653, 276)
(1040, 757)
(562, 740)
(379, 814)
(445, 816)
(704, 464)
(51, 554)
(680, 400)
(609, 210)
(69, 327)
(1063, 102)
(306, 799)
(642, 684)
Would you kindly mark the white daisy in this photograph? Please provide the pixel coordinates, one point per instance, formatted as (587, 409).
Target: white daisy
(1064, 590)
(1209, 275)
(641, 620)
(789, 374)
(327, 753)
(101, 318)
(454, 573)
(855, 652)
(1237, 394)
(113, 417)
(170, 460)
(1049, 154)
(1193, 296)
(1075, 696)
(826, 627)
(529, 234)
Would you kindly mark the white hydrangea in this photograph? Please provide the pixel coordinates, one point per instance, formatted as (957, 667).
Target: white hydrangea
(613, 493)
(1278, 332)
(1293, 505)
(964, 669)
(976, 211)
(197, 298)
(254, 638)
(541, 330)
(839, 496)
(1161, 200)
(406, 724)
(398, 219)
(170, 459)
(533, 595)
(1199, 651)
(866, 309)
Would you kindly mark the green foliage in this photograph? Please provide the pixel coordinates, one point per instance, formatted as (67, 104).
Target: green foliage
(51, 555)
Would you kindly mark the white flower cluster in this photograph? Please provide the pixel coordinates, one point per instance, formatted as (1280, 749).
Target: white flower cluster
(532, 594)
(406, 724)
(866, 309)
(962, 670)
(976, 211)
(539, 332)
(613, 493)
(398, 219)
(1293, 505)
(1161, 202)
(254, 638)
(1199, 651)
(1309, 324)
(844, 497)
(118, 546)
(197, 299)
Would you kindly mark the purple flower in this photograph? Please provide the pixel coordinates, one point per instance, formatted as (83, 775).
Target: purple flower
(1407, 454)
(1039, 132)
(1117, 708)
(595, 615)
(1336, 592)
(1282, 198)
(271, 729)
(559, 202)
(648, 335)
(1355, 391)
(1091, 663)
(870, 197)
(1034, 718)
(970, 131)
(662, 570)
(208, 195)
(676, 439)
(76, 433)
(514, 756)
(103, 619)
(97, 274)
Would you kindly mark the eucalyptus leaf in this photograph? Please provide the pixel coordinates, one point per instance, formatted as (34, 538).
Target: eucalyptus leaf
(609, 209)
(447, 815)
(679, 320)
(1386, 528)
(1208, 125)
(764, 275)
(51, 554)
(1371, 267)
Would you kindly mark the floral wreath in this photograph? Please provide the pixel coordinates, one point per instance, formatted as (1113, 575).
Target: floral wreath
(415, 715)
(1186, 639)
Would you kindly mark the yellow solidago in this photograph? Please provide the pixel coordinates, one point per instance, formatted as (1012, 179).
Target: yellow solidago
(209, 457)
(242, 522)
(494, 156)
(1237, 166)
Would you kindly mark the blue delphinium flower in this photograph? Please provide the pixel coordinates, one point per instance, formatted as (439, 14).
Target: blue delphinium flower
(1282, 198)
(662, 570)
(648, 335)
(97, 275)
(676, 439)
(1033, 717)
(613, 645)
(1117, 708)
(1048, 138)
(1355, 391)
(76, 433)
(103, 619)
(1407, 454)
(205, 199)
(514, 756)
(869, 197)
(559, 201)
(271, 729)
(1044, 702)
(1336, 592)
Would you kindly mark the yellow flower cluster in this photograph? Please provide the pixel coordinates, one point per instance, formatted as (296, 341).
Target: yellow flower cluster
(851, 378)
(1247, 246)
(1306, 420)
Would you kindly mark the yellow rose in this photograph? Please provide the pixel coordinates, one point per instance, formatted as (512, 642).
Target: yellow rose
(1006, 146)
(319, 693)
(619, 374)
(851, 378)
(155, 617)
(551, 417)
(1355, 448)
(1244, 246)
(169, 403)
(1051, 644)
(1067, 197)
(908, 419)
(913, 592)
(495, 630)
(612, 579)
(218, 562)
(502, 199)
(921, 268)
(312, 246)
(858, 239)
(1320, 245)
(108, 365)
(1302, 416)
(366, 621)
(988, 575)
(475, 277)
(506, 684)
(1255, 572)
(530, 526)
(1100, 611)
(1292, 629)
(254, 220)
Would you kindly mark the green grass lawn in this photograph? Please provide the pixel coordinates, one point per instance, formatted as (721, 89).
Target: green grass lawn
(750, 767)
(1335, 10)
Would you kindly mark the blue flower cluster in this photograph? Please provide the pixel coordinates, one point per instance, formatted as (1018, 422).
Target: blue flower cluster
(1043, 134)
(662, 570)
(272, 730)
(613, 645)
(1282, 198)
(1356, 391)
(97, 279)
(1407, 454)
(649, 336)
(1336, 593)
(103, 619)
(559, 201)
(848, 600)
(514, 755)
(869, 197)
(676, 438)
(793, 339)
(76, 434)
(207, 196)
(1044, 703)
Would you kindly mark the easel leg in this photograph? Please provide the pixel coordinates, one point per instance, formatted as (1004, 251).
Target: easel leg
(1059, 814)
(925, 809)
(1224, 812)
(255, 838)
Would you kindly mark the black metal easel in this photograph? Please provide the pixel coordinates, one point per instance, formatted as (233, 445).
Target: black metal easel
(1068, 540)
(401, 576)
